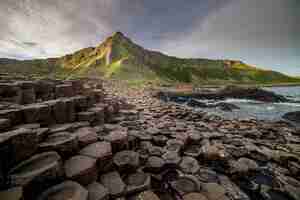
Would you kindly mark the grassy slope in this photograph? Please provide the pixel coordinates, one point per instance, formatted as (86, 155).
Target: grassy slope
(119, 58)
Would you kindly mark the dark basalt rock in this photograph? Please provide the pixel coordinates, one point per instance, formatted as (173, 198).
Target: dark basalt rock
(65, 143)
(86, 136)
(292, 116)
(126, 161)
(214, 191)
(97, 192)
(194, 196)
(189, 165)
(4, 124)
(155, 164)
(186, 184)
(68, 189)
(137, 182)
(148, 195)
(113, 182)
(81, 169)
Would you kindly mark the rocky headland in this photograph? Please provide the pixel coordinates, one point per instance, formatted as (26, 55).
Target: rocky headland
(90, 139)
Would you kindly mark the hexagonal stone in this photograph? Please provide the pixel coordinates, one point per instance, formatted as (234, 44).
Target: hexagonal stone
(44, 167)
(171, 158)
(64, 90)
(118, 140)
(16, 146)
(86, 116)
(155, 164)
(99, 115)
(193, 151)
(186, 184)
(194, 196)
(189, 165)
(14, 115)
(86, 136)
(65, 143)
(243, 165)
(70, 109)
(58, 109)
(148, 195)
(213, 191)
(36, 113)
(65, 190)
(160, 140)
(102, 152)
(97, 192)
(81, 169)
(113, 182)
(137, 182)
(126, 161)
(174, 145)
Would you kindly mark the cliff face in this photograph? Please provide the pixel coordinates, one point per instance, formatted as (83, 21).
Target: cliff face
(119, 57)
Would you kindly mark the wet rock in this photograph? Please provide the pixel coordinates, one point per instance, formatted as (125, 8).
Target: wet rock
(186, 184)
(227, 106)
(16, 146)
(65, 143)
(213, 191)
(148, 195)
(37, 173)
(189, 165)
(126, 161)
(97, 192)
(113, 182)
(86, 136)
(81, 169)
(118, 140)
(4, 124)
(67, 189)
(137, 182)
(194, 196)
(155, 164)
(292, 116)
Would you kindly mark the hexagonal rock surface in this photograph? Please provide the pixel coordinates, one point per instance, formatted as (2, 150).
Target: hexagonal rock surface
(17, 145)
(64, 143)
(155, 164)
(126, 160)
(40, 168)
(36, 112)
(148, 195)
(194, 196)
(86, 116)
(99, 114)
(113, 182)
(102, 152)
(137, 182)
(171, 158)
(81, 169)
(174, 145)
(65, 190)
(189, 165)
(186, 184)
(213, 191)
(97, 192)
(86, 136)
(118, 140)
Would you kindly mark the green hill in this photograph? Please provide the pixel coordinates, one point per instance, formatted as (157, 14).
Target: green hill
(120, 58)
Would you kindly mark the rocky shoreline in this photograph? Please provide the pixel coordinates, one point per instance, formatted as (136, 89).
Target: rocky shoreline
(125, 144)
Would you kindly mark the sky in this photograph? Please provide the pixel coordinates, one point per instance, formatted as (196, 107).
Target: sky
(264, 33)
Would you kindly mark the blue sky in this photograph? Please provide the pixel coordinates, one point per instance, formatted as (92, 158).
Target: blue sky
(264, 33)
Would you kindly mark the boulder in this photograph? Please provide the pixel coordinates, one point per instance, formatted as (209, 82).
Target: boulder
(126, 161)
(97, 192)
(82, 169)
(65, 143)
(67, 189)
(113, 182)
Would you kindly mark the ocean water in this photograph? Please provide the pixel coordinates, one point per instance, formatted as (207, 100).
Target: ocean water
(261, 110)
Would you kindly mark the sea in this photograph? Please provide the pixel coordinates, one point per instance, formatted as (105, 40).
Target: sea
(261, 110)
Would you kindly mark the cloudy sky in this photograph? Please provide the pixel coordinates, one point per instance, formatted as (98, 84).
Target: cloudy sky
(265, 33)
